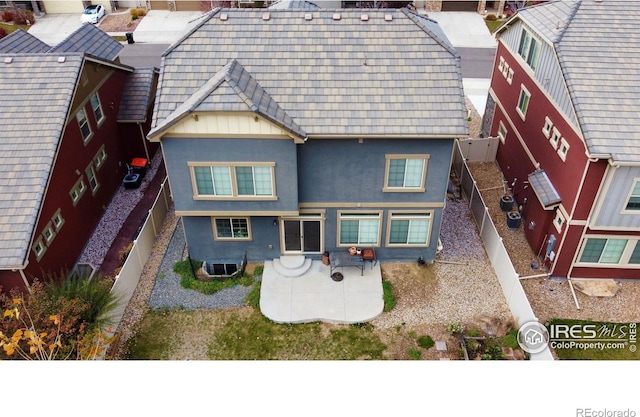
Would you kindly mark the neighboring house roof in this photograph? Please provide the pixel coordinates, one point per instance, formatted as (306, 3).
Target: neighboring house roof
(597, 46)
(391, 73)
(36, 91)
(90, 40)
(233, 89)
(293, 4)
(22, 41)
(136, 95)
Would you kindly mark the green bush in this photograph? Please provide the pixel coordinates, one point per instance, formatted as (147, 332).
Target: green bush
(134, 16)
(414, 354)
(455, 328)
(426, 342)
(491, 17)
(189, 281)
(387, 296)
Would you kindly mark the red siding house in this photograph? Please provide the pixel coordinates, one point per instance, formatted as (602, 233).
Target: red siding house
(62, 112)
(564, 102)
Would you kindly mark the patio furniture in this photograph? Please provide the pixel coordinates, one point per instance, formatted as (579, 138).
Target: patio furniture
(369, 254)
(342, 259)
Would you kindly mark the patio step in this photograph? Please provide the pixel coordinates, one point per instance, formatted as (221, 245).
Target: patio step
(291, 266)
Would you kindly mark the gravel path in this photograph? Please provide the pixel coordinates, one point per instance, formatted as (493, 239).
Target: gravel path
(167, 292)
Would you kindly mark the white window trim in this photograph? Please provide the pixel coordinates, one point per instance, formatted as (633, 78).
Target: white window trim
(523, 114)
(100, 157)
(367, 215)
(505, 70)
(39, 248)
(409, 215)
(425, 165)
(79, 188)
(501, 64)
(559, 219)
(625, 210)
(100, 120)
(563, 153)
(546, 129)
(554, 140)
(52, 233)
(502, 132)
(90, 171)
(57, 215)
(86, 139)
(234, 184)
(232, 238)
(624, 258)
(510, 76)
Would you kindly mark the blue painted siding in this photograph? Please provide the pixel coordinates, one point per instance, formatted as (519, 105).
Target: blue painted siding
(348, 171)
(179, 151)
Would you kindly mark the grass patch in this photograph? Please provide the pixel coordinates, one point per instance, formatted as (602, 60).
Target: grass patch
(119, 38)
(493, 25)
(601, 328)
(387, 296)
(189, 281)
(426, 342)
(414, 354)
(154, 340)
(12, 28)
(253, 298)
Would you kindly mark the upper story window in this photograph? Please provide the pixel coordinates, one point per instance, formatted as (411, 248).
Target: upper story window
(555, 138)
(558, 221)
(77, 191)
(523, 102)
(633, 202)
(409, 229)
(359, 229)
(510, 76)
(502, 132)
(529, 49)
(57, 220)
(100, 157)
(91, 176)
(546, 129)
(83, 123)
(241, 180)
(97, 108)
(563, 149)
(39, 248)
(405, 173)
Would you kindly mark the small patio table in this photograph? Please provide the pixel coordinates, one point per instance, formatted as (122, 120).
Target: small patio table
(342, 259)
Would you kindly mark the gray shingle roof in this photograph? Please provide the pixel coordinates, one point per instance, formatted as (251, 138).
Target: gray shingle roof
(136, 95)
(598, 48)
(36, 91)
(22, 41)
(91, 40)
(293, 4)
(393, 74)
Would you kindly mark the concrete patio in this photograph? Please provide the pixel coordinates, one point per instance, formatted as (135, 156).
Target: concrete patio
(314, 296)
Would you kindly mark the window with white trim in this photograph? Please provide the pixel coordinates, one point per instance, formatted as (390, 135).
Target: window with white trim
(232, 228)
(359, 229)
(634, 258)
(555, 138)
(77, 191)
(83, 123)
(505, 70)
(409, 229)
(246, 180)
(97, 108)
(603, 251)
(405, 173)
(48, 233)
(57, 220)
(523, 102)
(510, 76)
(558, 221)
(633, 202)
(546, 129)
(502, 132)
(563, 149)
(501, 64)
(529, 49)
(100, 157)
(91, 177)
(39, 248)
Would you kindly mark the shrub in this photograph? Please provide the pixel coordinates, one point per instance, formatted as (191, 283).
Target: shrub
(3, 33)
(135, 13)
(414, 354)
(125, 251)
(491, 17)
(23, 17)
(7, 15)
(134, 16)
(426, 342)
(455, 328)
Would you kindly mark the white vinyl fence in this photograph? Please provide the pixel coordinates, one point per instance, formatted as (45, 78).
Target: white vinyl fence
(507, 275)
(129, 276)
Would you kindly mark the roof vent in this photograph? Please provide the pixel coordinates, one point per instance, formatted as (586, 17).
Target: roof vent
(8, 60)
(364, 17)
(308, 16)
(336, 16)
(388, 18)
(224, 17)
(266, 16)
(61, 59)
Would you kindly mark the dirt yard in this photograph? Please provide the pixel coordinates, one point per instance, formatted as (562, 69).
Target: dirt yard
(120, 21)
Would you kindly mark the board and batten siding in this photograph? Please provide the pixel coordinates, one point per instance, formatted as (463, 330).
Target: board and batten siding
(612, 202)
(548, 73)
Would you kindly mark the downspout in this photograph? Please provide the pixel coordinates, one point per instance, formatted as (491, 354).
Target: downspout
(144, 142)
(24, 279)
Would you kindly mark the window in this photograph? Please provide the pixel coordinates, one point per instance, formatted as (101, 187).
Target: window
(501, 65)
(358, 229)
(97, 108)
(633, 202)
(57, 220)
(39, 248)
(100, 157)
(555, 138)
(77, 191)
(239, 180)
(232, 228)
(405, 173)
(502, 132)
(563, 149)
(546, 129)
(409, 229)
(604, 251)
(510, 76)
(91, 176)
(48, 233)
(635, 255)
(523, 102)
(83, 122)
(558, 221)
(529, 49)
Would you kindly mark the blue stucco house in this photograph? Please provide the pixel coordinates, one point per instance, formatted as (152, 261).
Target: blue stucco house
(304, 131)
